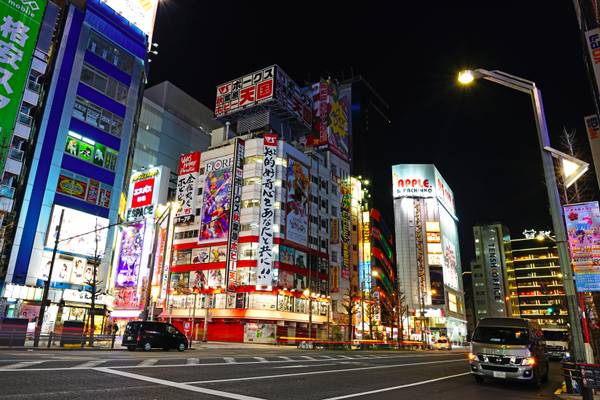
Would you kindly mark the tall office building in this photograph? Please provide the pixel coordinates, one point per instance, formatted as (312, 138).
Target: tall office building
(171, 123)
(81, 154)
(491, 271)
(427, 248)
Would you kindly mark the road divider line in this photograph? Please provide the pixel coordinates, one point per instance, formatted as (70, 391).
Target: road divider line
(22, 364)
(331, 371)
(229, 360)
(177, 385)
(191, 361)
(285, 358)
(260, 359)
(148, 362)
(309, 358)
(90, 364)
(397, 387)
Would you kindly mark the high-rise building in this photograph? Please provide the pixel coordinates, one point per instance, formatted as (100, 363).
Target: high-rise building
(427, 249)
(518, 277)
(491, 270)
(82, 151)
(171, 123)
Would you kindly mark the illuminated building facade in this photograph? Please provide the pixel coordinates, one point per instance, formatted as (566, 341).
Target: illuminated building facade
(427, 249)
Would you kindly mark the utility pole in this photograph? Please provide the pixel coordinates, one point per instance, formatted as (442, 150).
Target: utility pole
(40, 320)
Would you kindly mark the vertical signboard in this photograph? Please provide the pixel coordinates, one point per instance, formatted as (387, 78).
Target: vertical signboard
(345, 233)
(296, 223)
(20, 23)
(215, 216)
(187, 186)
(419, 248)
(494, 273)
(234, 217)
(592, 126)
(583, 231)
(264, 267)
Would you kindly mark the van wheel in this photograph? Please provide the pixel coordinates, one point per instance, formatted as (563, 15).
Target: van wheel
(546, 373)
(131, 348)
(536, 381)
(147, 346)
(181, 347)
(479, 379)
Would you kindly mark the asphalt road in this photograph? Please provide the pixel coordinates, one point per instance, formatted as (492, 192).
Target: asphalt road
(249, 374)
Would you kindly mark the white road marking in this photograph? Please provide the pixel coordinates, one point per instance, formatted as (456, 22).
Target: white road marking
(229, 360)
(90, 364)
(193, 361)
(346, 357)
(331, 371)
(148, 362)
(327, 357)
(22, 364)
(309, 358)
(285, 358)
(177, 385)
(260, 359)
(397, 387)
(304, 366)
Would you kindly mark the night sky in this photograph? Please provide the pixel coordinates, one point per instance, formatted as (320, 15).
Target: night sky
(482, 139)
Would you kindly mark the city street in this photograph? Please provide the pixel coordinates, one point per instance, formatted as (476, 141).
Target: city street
(250, 373)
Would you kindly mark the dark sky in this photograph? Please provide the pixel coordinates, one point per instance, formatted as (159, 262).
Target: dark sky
(483, 139)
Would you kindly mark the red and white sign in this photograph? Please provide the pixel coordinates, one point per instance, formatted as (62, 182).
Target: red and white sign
(142, 193)
(187, 184)
(245, 92)
(189, 163)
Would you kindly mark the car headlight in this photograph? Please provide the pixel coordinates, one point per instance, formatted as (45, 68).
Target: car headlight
(530, 361)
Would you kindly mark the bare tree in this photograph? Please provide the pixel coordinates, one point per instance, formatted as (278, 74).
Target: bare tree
(91, 287)
(400, 309)
(349, 306)
(581, 189)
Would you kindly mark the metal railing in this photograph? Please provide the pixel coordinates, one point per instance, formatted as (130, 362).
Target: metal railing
(19, 339)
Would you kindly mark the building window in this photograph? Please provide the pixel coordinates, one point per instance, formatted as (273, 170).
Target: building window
(314, 199)
(89, 151)
(186, 234)
(314, 179)
(97, 116)
(104, 83)
(111, 53)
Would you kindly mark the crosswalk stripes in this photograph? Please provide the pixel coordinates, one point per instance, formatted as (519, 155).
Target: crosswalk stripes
(309, 358)
(193, 361)
(229, 360)
(22, 364)
(147, 362)
(285, 358)
(90, 364)
(261, 359)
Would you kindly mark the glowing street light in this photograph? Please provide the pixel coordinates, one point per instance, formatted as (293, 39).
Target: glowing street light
(466, 77)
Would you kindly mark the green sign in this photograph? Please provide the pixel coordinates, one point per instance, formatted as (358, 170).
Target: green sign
(20, 22)
(99, 153)
(85, 151)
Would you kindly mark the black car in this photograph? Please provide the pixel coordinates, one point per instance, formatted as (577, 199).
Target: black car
(148, 335)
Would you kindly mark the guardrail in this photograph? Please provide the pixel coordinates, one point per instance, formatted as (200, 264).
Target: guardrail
(19, 339)
(581, 378)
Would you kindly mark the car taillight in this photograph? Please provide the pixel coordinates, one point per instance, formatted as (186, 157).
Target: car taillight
(139, 338)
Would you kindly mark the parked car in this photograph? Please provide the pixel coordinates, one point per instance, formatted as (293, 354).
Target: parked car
(148, 335)
(508, 348)
(442, 344)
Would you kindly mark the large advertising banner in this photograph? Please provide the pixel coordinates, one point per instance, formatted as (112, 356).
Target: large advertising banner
(583, 232)
(331, 118)
(264, 267)
(129, 266)
(20, 23)
(187, 186)
(214, 223)
(141, 13)
(450, 264)
(234, 217)
(296, 223)
(247, 91)
(76, 236)
(592, 126)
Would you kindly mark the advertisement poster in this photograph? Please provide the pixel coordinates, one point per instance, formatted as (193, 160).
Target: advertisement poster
(286, 255)
(592, 126)
(264, 267)
(247, 91)
(76, 223)
(234, 217)
(72, 187)
(21, 23)
(187, 184)
(259, 333)
(331, 118)
(198, 279)
(583, 233)
(296, 226)
(215, 211)
(450, 264)
(141, 13)
(128, 270)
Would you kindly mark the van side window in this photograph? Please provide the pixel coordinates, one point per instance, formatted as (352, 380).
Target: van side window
(170, 329)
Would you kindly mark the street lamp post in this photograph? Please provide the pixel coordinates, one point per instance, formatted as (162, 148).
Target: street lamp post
(529, 87)
(308, 294)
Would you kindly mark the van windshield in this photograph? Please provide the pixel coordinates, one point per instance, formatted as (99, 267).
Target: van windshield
(133, 327)
(498, 335)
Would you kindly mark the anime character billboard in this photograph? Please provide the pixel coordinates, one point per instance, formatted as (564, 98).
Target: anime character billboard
(216, 204)
(297, 202)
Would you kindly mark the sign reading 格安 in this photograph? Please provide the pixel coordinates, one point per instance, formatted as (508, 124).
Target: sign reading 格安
(264, 267)
(20, 23)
